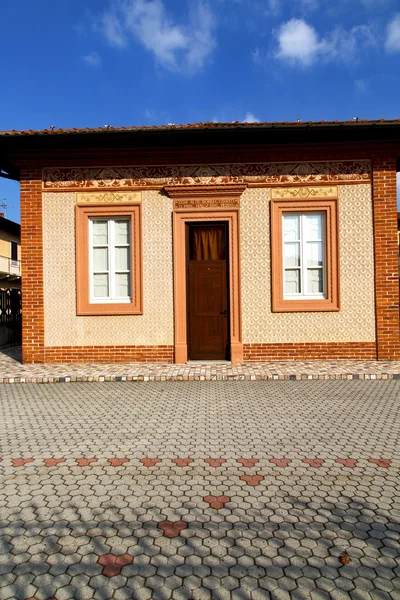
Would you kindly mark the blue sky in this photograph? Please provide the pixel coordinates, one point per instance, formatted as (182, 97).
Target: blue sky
(79, 63)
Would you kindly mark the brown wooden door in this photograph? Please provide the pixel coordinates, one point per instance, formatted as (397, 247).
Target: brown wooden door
(208, 309)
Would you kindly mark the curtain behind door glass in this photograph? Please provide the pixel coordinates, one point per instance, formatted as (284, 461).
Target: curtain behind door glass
(207, 243)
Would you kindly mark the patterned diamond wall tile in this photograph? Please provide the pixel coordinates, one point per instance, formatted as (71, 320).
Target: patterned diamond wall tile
(355, 322)
(62, 326)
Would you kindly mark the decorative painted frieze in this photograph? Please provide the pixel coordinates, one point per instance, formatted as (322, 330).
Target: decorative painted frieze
(206, 203)
(108, 198)
(304, 192)
(253, 174)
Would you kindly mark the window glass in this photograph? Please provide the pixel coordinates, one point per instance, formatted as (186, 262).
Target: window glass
(121, 232)
(100, 259)
(291, 254)
(314, 254)
(122, 259)
(291, 228)
(100, 233)
(292, 281)
(304, 255)
(315, 281)
(110, 260)
(313, 226)
(14, 251)
(122, 285)
(100, 285)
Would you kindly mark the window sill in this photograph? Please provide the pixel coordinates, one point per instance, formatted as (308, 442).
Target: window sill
(108, 309)
(305, 306)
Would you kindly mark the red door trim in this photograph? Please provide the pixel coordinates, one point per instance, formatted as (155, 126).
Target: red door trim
(180, 284)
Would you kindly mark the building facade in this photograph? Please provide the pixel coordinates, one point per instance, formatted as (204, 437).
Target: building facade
(208, 242)
(10, 254)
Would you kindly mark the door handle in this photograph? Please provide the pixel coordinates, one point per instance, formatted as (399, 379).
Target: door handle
(223, 313)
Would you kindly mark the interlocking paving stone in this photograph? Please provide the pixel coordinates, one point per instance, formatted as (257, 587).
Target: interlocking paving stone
(252, 479)
(282, 538)
(216, 501)
(247, 462)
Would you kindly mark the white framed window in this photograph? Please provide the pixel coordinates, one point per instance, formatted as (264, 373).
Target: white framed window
(108, 239)
(109, 260)
(304, 255)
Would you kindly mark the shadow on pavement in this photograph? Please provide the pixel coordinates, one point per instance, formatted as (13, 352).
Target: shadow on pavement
(262, 551)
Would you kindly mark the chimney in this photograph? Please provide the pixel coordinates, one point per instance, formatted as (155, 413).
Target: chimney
(2, 215)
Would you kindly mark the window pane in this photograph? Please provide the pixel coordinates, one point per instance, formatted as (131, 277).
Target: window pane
(100, 259)
(122, 259)
(313, 227)
(314, 254)
(121, 232)
(291, 228)
(291, 254)
(122, 285)
(100, 233)
(100, 286)
(315, 281)
(14, 251)
(292, 281)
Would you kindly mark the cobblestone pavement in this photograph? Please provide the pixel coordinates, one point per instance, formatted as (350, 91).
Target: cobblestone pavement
(12, 371)
(197, 491)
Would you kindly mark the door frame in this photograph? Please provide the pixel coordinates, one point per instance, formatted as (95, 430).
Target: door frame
(180, 219)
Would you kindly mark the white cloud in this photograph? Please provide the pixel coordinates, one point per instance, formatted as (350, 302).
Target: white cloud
(201, 30)
(175, 46)
(93, 59)
(250, 118)
(149, 23)
(220, 117)
(156, 116)
(344, 44)
(274, 6)
(300, 43)
(361, 85)
(256, 56)
(393, 35)
(113, 30)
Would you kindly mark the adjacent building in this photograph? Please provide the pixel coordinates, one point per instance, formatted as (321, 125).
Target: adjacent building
(10, 254)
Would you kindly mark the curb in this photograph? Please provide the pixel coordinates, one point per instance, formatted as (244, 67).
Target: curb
(200, 377)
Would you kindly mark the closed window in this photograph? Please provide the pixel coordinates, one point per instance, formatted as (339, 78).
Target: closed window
(108, 260)
(110, 250)
(14, 253)
(305, 262)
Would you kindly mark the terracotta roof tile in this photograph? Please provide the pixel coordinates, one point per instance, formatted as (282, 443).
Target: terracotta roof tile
(201, 126)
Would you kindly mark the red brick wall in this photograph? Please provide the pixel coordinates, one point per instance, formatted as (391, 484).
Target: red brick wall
(349, 350)
(386, 249)
(32, 266)
(110, 354)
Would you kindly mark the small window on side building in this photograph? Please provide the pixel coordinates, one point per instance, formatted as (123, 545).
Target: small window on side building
(14, 252)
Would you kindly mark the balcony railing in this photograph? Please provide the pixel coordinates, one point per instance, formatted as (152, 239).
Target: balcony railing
(9, 267)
